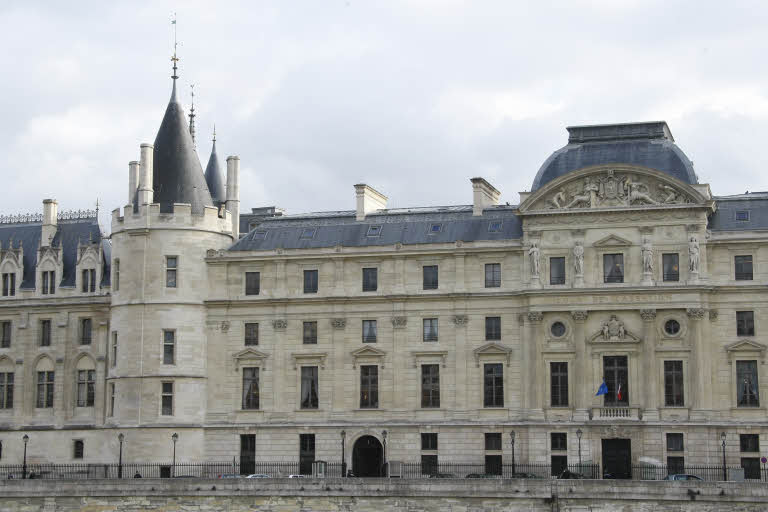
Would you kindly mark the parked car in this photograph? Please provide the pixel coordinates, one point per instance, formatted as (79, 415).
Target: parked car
(442, 475)
(570, 475)
(184, 476)
(297, 476)
(230, 475)
(258, 475)
(683, 476)
(482, 475)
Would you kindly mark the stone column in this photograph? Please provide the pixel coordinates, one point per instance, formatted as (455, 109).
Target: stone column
(399, 339)
(281, 367)
(337, 367)
(581, 377)
(463, 359)
(532, 366)
(701, 366)
(459, 284)
(650, 374)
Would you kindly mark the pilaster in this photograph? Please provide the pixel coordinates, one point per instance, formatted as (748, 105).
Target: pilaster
(650, 374)
(582, 387)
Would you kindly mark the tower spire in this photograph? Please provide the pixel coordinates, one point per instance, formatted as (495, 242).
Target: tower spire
(174, 59)
(192, 115)
(214, 133)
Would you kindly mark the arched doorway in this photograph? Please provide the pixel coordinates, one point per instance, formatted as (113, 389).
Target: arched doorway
(367, 457)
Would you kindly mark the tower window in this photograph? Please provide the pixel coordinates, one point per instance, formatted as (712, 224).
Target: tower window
(49, 282)
(89, 280)
(9, 284)
(171, 267)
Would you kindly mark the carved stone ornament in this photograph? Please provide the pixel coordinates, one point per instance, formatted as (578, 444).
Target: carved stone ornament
(713, 314)
(279, 325)
(338, 323)
(696, 313)
(648, 314)
(399, 322)
(579, 316)
(460, 320)
(225, 326)
(535, 316)
(613, 330)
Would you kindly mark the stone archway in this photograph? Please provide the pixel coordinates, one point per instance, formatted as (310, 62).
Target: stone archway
(367, 457)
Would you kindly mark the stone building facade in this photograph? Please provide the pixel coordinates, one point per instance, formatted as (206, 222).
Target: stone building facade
(415, 334)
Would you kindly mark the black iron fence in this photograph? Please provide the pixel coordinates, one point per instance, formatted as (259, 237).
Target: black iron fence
(704, 472)
(412, 470)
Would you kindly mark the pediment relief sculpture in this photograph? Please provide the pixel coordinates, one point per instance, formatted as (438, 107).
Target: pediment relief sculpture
(613, 331)
(611, 188)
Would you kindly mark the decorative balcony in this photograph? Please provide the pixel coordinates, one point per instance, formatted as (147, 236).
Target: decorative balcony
(615, 413)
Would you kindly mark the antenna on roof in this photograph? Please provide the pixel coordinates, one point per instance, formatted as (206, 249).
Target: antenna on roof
(192, 115)
(174, 59)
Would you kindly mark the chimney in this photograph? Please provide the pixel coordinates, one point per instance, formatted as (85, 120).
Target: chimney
(146, 194)
(233, 193)
(50, 221)
(368, 200)
(133, 180)
(483, 195)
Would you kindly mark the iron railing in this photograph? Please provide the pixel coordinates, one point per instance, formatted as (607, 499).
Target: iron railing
(710, 473)
(413, 470)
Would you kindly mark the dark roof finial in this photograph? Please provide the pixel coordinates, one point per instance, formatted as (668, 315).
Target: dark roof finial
(214, 133)
(174, 59)
(192, 116)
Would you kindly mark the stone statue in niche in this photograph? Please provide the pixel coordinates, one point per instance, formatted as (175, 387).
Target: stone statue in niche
(637, 192)
(533, 254)
(613, 329)
(647, 256)
(578, 259)
(693, 254)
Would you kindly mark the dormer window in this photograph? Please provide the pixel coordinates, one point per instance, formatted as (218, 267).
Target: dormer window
(49, 282)
(374, 231)
(742, 215)
(259, 235)
(435, 228)
(89, 280)
(9, 284)
(494, 226)
(308, 233)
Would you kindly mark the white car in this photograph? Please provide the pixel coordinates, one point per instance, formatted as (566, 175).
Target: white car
(297, 476)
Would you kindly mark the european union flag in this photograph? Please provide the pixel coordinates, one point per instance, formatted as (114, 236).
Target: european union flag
(603, 389)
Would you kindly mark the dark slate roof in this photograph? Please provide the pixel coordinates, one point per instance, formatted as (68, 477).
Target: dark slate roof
(406, 226)
(725, 219)
(68, 233)
(647, 144)
(214, 178)
(178, 176)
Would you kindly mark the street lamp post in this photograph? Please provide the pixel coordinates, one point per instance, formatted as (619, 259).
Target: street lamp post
(121, 438)
(24, 466)
(343, 458)
(384, 437)
(174, 437)
(512, 439)
(578, 435)
(725, 474)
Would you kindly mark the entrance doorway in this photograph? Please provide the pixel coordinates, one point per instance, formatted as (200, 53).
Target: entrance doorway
(617, 458)
(367, 457)
(247, 454)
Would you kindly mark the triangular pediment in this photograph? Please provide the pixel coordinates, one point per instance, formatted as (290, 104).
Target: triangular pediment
(368, 352)
(496, 350)
(249, 355)
(612, 241)
(745, 346)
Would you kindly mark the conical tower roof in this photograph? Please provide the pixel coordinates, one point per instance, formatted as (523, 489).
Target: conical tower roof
(178, 176)
(214, 177)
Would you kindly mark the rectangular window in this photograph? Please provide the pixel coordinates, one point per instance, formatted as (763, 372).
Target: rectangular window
(673, 384)
(429, 464)
(86, 384)
(111, 399)
(310, 281)
(493, 441)
(370, 279)
(493, 464)
(309, 395)
(369, 387)
(751, 467)
(493, 385)
(613, 268)
(251, 334)
(430, 385)
(369, 331)
(743, 266)
(557, 270)
(252, 283)
(559, 464)
(742, 215)
(745, 323)
(169, 347)
(78, 449)
(9, 284)
(493, 275)
(113, 361)
(306, 453)
(430, 329)
(171, 267)
(429, 441)
(45, 333)
(310, 333)
(670, 264)
(167, 399)
(86, 328)
(430, 277)
(558, 441)
(45, 389)
(749, 442)
(49, 282)
(748, 392)
(116, 272)
(559, 384)
(89, 280)
(5, 341)
(675, 465)
(250, 388)
(675, 442)
(492, 328)
(6, 390)
(615, 372)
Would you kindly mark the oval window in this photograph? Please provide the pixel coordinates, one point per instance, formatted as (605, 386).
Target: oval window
(557, 329)
(672, 327)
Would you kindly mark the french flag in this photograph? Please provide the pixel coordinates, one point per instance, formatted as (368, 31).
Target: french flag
(618, 393)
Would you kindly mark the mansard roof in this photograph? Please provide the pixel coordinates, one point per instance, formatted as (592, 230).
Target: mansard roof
(214, 178)
(68, 234)
(178, 176)
(647, 144)
(407, 226)
(725, 217)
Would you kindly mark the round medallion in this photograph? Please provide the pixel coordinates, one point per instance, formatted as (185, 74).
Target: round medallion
(672, 327)
(557, 329)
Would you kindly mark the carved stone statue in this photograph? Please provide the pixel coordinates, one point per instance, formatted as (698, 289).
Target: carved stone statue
(647, 256)
(558, 200)
(613, 329)
(634, 190)
(533, 254)
(578, 259)
(586, 194)
(693, 254)
(670, 194)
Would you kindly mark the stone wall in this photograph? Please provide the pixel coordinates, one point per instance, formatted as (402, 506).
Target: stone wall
(376, 495)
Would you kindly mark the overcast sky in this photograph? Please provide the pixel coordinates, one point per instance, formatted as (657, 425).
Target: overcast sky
(413, 97)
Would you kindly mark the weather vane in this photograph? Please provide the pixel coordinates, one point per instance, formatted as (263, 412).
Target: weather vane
(174, 59)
